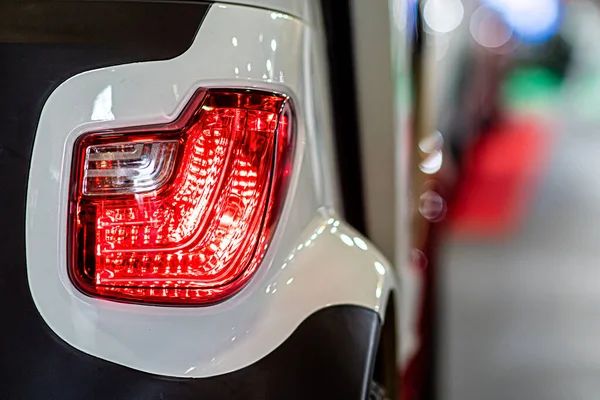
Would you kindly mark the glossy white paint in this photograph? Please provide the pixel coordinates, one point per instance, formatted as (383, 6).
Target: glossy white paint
(296, 8)
(314, 261)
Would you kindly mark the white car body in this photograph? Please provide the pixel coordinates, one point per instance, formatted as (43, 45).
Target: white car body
(315, 260)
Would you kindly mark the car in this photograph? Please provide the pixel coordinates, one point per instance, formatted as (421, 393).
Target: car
(172, 220)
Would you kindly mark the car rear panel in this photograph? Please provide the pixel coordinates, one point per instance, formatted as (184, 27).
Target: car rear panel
(49, 49)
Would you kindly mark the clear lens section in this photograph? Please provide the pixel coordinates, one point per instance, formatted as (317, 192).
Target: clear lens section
(128, 167)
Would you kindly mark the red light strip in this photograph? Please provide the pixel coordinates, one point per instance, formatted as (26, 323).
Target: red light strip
(199, 237)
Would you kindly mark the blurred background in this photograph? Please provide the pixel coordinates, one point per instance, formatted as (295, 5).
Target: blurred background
(507, 197)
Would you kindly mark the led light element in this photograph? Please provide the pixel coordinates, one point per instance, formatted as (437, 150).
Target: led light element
(181, 214)
(127, 167)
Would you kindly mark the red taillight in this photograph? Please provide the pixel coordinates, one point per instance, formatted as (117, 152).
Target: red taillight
(182, 213)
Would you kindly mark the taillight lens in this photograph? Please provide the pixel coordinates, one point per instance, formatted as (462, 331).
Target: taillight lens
(181, 213)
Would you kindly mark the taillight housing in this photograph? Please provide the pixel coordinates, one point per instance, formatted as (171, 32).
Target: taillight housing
(180, 214)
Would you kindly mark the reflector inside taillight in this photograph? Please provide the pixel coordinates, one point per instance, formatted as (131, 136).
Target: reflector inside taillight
(182, 213)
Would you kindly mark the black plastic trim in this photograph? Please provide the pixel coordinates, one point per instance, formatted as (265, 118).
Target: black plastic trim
(329, 356)
(340, 52)
(150, 30)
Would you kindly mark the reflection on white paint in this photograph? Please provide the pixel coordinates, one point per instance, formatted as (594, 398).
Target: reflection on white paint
(379, 267)
(346, 239)
(279, 15)
(190, 369)
(102, 108)
(360, 243)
